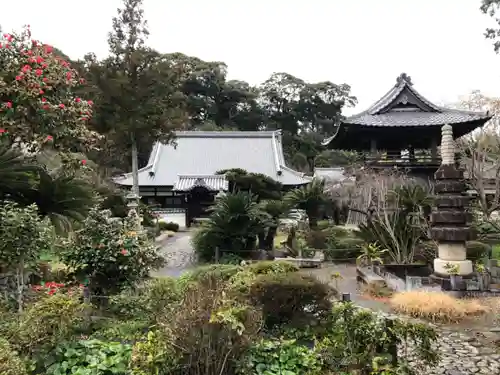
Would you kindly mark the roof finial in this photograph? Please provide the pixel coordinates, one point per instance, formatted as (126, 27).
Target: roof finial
(403, 77)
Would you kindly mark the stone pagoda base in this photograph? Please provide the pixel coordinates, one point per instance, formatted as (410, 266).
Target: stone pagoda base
(452, 254)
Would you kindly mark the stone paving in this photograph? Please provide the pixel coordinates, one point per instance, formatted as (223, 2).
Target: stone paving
(463, 351)
(179, 254)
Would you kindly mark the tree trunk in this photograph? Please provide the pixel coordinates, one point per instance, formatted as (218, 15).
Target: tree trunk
(135, 169)
(20, 285)
(269, 239)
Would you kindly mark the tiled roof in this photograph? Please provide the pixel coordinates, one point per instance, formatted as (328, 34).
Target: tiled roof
(211, 182)
(405, 106)
(206, 153)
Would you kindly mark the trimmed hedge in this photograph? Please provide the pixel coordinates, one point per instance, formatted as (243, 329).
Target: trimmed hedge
(291, 298)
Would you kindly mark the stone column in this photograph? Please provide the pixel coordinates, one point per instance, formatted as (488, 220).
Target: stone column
(449, 219)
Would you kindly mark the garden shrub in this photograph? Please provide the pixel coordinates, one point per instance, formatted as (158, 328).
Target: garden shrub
(230, 258)
(10, 363)
(48, 322)
(323, 224)
(317, 239)
(121, 330)
(110, 253)
(91, 357)
(170, 226)
(291, 298)
(436, 306)
(477, 250)
(208, 333)
(221, 272)
(275, 357)
(271, 267)
(145, 302)
(344, 249)
(352, 338)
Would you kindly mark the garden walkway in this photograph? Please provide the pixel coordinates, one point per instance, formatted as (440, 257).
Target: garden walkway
(179, 254)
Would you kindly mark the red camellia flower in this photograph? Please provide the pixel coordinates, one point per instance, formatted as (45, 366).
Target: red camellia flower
(78, 100)
(45, 79)
(90, 102)
(39, 60)
(61, 105)
(49, 138)
(84, 162)
(26, 68)
(48, 48)
(18, 78)
(44, 100)
(124, 252)
(46, 106)
(8, 104)
(39, 72)
(2, 131)
(34, 43)
(68, 75)
(41, 92)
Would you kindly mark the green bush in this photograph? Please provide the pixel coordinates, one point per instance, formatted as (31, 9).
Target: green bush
(291, 298)
(91, 357)
(338, 232)
(10, 363)
(268, 267)
(46, 323)
(323, 224)
(173, 227)
(222, 272)
(206, 334)
(477, 250)
(344, 249)
(317, 239)
(110, 253)
(275, 357)
(154, 297)
(121, 330)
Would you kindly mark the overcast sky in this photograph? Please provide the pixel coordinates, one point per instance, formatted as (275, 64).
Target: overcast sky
(364, 43)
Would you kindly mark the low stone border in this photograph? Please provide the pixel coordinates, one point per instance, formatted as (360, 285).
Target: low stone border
(368, 276)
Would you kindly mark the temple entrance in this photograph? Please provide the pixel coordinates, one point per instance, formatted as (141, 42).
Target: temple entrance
(199, 199)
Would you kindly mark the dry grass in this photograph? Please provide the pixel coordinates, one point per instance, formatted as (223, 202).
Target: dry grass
(376, 291)
(437, 306)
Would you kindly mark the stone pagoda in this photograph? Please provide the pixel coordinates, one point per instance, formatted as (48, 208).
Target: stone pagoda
(450, 219)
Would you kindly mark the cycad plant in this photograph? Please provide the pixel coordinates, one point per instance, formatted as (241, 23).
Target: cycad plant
(311, 198)
(234, 223)
(17, 172)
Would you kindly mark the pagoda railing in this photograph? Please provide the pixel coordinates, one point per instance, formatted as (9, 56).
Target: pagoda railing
(398, 159)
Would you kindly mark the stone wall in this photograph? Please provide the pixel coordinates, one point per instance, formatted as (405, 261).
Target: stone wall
(463, 354)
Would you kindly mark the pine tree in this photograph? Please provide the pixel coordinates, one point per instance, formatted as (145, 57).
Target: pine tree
(140, 86)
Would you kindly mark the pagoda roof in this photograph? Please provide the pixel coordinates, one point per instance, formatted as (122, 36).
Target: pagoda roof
(201, 154)
(404, 106)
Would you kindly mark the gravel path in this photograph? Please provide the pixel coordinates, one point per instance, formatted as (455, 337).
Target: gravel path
(179, 254)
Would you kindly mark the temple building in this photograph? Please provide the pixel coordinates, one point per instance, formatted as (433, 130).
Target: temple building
(181, 179)
(403, 129)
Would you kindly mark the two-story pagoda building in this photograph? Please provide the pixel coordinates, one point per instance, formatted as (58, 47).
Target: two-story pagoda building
(403, 129)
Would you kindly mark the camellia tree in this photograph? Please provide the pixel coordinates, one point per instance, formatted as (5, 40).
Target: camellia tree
(37, 103)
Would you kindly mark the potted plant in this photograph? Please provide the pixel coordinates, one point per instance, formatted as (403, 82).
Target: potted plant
(455, 278)
(371, 256)
(483, 277)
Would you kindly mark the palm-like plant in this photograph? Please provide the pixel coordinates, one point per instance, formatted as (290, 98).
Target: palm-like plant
(62, 197)
(17, 172)
(310, 198)
(235, 221)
